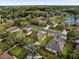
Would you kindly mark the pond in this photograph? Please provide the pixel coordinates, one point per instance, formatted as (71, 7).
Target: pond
(70, 21)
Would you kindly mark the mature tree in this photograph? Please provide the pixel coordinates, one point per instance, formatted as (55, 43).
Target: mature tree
(72, 35)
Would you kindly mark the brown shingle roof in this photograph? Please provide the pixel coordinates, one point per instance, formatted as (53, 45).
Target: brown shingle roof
(41, 35)
(5, 56)
(12, 28)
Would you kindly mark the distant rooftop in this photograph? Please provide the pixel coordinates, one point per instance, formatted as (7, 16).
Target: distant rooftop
(77, 41)
(5, 56)
(12, 28)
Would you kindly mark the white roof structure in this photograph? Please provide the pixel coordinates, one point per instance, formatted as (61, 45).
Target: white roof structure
(1, 40)
(64, 32)
(29, 57)
(77, 41)
(37, 57)
(55, 25)
(77, 21)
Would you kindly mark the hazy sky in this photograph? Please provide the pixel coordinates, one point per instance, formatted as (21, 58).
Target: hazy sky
(39, 2)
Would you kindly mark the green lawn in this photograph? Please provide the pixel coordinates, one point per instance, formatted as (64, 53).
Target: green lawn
(4, 46)
(19, 52)
(46, 54)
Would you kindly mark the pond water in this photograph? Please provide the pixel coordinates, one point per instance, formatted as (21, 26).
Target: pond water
(70, 21)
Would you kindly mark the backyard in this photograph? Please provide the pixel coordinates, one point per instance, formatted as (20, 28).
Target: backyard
(46, 54)
(18, 52)
(4, 46)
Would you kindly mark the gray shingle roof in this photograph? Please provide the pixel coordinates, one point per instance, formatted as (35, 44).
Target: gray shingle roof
(56, 45)
(53, 44)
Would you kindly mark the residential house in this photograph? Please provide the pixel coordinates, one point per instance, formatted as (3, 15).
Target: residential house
(64, 34)
(77, 44)
(36, 56)
(13, 29)
(77, 21)
(53, 24)
(5, 55)
(40, 35)
(1, 40)
(27, 31)
(29, 57)
(52, 17)
(56, 45)
(47, 27)
(77, 28)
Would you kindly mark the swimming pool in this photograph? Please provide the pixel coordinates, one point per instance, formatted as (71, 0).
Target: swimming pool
(70, 21)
